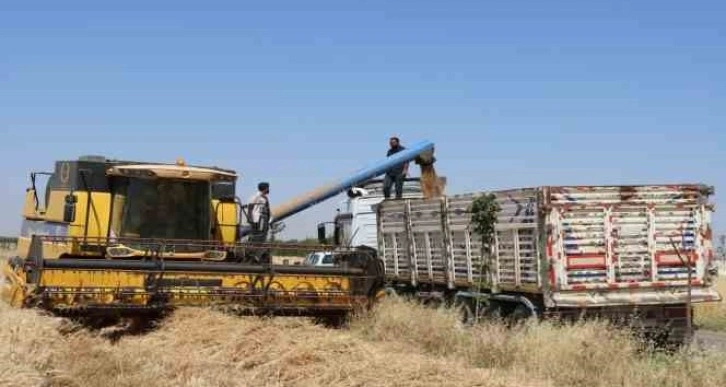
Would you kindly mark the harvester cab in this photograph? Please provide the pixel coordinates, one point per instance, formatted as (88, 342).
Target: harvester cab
(115, 205)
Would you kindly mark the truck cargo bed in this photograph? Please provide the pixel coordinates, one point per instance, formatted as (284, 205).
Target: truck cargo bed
(573, 246)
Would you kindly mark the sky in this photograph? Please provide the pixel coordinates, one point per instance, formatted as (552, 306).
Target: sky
(301, 93)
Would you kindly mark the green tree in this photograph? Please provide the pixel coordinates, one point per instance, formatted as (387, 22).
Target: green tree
(484, 210)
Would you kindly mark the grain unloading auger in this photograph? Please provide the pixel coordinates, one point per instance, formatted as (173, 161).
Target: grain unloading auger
(116, 238)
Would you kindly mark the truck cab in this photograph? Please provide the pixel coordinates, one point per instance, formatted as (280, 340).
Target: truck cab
(320, 259)
(356, 218)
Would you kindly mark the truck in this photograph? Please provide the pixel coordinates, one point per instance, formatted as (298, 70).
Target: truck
(638, 254)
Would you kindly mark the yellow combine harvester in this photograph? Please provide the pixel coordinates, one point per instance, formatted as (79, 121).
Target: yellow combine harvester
(113, 239)
(119, 238)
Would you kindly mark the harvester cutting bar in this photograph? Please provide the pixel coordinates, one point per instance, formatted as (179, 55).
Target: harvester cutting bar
(58, 277)
(197, 251)
(212, 267)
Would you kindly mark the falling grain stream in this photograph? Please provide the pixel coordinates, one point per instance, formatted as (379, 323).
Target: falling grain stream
(431, 185)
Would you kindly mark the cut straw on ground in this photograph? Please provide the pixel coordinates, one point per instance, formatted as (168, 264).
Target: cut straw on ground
(712, 316)
(199, 347)
(399, 343)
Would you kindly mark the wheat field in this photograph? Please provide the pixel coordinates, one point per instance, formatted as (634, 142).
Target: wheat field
(712, 316)
(399, 343)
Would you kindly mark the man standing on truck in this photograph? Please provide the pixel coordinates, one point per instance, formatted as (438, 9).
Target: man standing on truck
(396, 174)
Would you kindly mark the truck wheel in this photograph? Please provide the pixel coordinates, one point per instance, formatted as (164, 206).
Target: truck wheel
(520, 314)
(492, 312)
(390, 292)
(465, 312)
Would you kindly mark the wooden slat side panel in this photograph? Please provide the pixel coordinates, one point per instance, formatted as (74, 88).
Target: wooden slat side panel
(621, 236)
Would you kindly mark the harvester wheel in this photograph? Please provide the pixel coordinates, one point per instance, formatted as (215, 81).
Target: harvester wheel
(333, 321)
(95, 323)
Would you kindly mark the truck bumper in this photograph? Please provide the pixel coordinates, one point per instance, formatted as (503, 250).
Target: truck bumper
(623, 297)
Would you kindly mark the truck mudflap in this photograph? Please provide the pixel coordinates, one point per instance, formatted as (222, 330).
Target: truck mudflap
(596, 298)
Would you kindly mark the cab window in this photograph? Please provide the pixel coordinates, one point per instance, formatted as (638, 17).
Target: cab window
(328, 259)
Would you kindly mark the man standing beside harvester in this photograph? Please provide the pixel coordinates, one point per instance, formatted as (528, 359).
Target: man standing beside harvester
(258, 212)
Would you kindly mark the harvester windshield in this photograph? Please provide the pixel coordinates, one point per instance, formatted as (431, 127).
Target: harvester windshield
(161, 208)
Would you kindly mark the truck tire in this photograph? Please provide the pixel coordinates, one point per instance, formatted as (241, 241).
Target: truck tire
(492, 312)
(390, 292)
(466, 312)
(520, 314)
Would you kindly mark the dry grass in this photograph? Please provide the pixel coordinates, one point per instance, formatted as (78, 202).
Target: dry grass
(713, 316)
(399, 344)
(197, 347)
(589, 354)
(5, 253)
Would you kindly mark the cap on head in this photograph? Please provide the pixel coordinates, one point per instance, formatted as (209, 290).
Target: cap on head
(263, 186)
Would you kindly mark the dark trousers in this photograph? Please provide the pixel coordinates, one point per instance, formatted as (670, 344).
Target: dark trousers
(389, 181)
